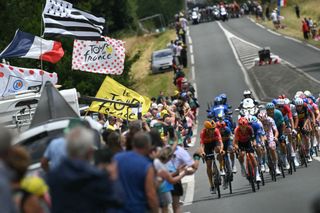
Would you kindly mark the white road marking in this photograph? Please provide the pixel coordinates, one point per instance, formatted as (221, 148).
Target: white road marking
(246, 76)
(192, 59)
(313, 47)
(261, 26)
(293, 39)
(301, 71)
(189, 180)
(271, 31)
(316, 158)
(191, 49)
(193, 74)
(189, 40)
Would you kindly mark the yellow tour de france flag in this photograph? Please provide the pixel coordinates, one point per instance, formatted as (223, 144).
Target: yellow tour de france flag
(112, 90)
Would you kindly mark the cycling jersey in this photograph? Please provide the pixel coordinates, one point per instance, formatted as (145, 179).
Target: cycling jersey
(225, 134)
(286, 111)
(258, 130)
(278, 119)
(209, 136)
(304, 113)
(244, 136)
(269, 127)
(293, 110)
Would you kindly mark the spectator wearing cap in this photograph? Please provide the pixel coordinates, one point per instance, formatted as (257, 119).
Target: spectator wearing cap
(76, 185)
(160, 98)
(140, 191)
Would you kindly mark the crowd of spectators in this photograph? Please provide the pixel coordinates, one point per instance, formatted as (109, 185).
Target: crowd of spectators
(134, 166)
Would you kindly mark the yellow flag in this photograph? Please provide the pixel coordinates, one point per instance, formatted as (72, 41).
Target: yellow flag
(112, 90)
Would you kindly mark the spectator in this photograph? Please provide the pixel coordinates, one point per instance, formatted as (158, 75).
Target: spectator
(178, 52)
(164, 192)
(160, 98)
(314, 30)
(134, 127)
(140, 191)
(18, 161)
(268, 12)
(274, 18)
(184, 57)
(56, 150)
(305, 29)
(6, 201)
(297, 9)
(76, 185)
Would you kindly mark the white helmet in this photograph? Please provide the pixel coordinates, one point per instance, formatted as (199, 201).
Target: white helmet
(298, 101)
(286, 101)
(247, 92)
(280, 102)
(307, 93)
(298, 93)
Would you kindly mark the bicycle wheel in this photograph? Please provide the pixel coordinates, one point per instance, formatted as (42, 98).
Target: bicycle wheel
(303, 156)
(217, 178)
(251, 176)
(282, 170)
(230, 183)
(262, 178)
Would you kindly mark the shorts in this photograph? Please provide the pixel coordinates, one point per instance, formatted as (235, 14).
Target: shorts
(209, 147)
(165, 199)
(272, 144)
(177, 189)
(227, 146)
(246, 147)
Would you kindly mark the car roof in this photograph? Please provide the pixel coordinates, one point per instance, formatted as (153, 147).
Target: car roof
(160, 51)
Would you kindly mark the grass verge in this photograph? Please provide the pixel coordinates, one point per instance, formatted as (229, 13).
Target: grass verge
(293, 25)
(143, 81)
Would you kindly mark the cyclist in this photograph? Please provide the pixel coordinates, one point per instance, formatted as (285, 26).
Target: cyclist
(259, 137)
(211, 141)
(294, 113)
(226, 133)
(243, 135)
(247, 94)
(305, 115)
(277, 116)
(271, 134)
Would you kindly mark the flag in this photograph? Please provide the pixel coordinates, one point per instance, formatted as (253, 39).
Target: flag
(17, 79)
(282, 3)
(25, 45)
(60, 18)
(106, 57)
(112, 90)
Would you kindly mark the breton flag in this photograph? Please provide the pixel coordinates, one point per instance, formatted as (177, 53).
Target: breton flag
(61, 19)
(282, 3)
(25, 45)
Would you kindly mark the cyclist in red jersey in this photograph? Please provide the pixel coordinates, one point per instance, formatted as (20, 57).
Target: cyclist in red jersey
(243, 136)
(210, 140)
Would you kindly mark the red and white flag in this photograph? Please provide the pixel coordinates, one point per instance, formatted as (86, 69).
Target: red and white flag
(105, 57)
(17, 79)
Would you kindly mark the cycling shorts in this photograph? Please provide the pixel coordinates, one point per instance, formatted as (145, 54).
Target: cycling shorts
(246, 147)
(227, 145)
(209, 147)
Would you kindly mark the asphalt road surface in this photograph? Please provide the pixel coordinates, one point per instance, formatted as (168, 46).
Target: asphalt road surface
(217, 71)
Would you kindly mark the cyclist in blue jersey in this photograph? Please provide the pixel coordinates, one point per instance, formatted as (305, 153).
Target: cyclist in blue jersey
(226, 135)
(259, 134)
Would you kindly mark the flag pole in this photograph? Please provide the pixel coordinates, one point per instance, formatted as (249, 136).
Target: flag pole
(41, 36)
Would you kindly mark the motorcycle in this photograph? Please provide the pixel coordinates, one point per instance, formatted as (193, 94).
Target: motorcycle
(195, 17)
(218, 113)
(248, 108)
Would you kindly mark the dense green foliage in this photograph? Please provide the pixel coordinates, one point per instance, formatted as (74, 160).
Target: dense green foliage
(121, 16)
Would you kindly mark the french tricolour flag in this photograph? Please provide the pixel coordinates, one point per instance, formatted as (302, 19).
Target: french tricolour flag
(282, 3)
(25, 45)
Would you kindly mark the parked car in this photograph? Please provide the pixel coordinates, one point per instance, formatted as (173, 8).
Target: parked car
(161, 60)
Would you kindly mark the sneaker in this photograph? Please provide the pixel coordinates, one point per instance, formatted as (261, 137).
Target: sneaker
(267, 169)
(225, 185)
(212, 190)
(263, 168)
(295, 160)
(222, 172)
(258, 178)
(286, 164)
(234, 169)
(278, 171)
(243, 172)
(309, 159)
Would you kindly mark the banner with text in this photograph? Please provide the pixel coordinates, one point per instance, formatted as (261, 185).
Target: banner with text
(112, 90)
(105, 57)
(17, 79)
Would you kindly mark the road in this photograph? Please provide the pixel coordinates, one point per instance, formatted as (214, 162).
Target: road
(217, 71)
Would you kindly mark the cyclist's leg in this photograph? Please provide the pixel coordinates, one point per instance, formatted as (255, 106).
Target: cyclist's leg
(230, 150)
(250, 149)
(218, 149)
(241, 159)
(208, 149)
(274, 156)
